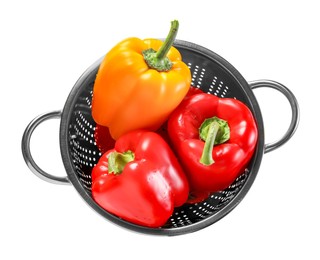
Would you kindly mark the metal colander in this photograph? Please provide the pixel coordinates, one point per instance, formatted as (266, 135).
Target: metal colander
(212, 74)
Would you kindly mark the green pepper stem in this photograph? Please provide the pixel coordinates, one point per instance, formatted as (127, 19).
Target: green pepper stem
(213, 131)
(164, 49)
(206, 157)
(117, 161)
(158, 60)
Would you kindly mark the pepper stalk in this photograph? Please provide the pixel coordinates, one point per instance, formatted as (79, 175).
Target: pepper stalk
(213, 131)
(158, 60)
(117, 161)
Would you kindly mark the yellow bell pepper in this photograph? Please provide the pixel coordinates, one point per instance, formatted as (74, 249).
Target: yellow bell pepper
(139, 83)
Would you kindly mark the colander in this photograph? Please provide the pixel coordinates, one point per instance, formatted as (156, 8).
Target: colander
(212, 74)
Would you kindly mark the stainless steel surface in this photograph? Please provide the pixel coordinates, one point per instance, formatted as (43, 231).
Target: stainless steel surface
(25, 145)
(294, 108)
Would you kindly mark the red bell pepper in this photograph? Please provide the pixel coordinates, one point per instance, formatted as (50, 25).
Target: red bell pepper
(103, 139)
(140, 180)
(214, 139)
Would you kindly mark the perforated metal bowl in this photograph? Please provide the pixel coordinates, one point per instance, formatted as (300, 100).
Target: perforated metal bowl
(212, 74)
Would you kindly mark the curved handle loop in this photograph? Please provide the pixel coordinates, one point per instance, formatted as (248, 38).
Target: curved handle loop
(25, 146)
(294, 108)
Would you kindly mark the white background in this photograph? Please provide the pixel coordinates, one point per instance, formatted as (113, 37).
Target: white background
(45, 47)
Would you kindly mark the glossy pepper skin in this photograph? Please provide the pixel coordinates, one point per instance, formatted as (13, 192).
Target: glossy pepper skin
(138, 84)
(140, 180)
(229, 157)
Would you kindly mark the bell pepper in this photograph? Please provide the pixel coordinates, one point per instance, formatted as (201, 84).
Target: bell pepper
(214, 139)
(102, 138)
(140, 180)
(139, 83)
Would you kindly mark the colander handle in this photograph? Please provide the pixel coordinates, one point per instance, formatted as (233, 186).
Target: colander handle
(294, 108)
(25, 146)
